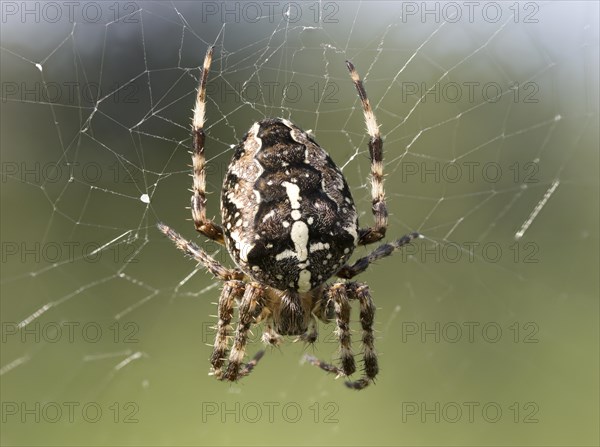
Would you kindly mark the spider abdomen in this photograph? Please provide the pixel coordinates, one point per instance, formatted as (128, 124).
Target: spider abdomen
(288, 215)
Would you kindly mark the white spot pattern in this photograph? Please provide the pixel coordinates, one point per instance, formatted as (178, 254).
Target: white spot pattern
(299, 235)
(293, 192)
(304, 281)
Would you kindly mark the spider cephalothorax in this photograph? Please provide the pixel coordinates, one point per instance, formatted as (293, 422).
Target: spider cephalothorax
(289, 224)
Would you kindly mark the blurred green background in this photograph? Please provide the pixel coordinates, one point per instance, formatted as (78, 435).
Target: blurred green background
(485, 109)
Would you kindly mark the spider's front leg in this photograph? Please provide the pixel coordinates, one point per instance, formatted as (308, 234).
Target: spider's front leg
(232, 290)
(339, 295)
(336, 296)
(250, 309)
(360, 292)
(311, 335)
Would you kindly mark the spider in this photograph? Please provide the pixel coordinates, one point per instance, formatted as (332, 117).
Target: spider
(289, 224)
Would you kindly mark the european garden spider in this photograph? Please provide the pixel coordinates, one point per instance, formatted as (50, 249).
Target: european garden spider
(290, 224)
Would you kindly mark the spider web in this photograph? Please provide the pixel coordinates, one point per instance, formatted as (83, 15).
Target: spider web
(490, 121)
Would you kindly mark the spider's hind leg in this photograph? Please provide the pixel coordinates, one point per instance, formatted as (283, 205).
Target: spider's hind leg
(198, 201)
(378, 230)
